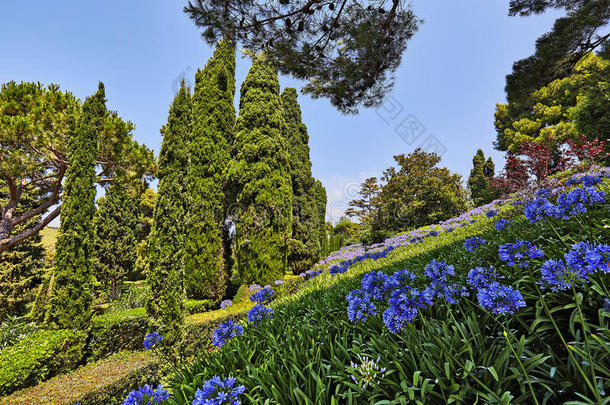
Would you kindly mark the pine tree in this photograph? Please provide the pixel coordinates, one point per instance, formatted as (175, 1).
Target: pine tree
(362, 207)
(320, 193)
(212, 134)
(259, 175)
(480, 177)
(21, 266)
(304, 249)
(70, 301)
(166, 245)
(116, 236)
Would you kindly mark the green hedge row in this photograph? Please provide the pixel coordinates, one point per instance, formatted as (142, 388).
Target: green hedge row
(117, 331)
(38, 357)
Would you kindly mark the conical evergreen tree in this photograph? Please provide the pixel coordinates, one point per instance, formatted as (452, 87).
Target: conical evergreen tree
(165, 272)
(259, 175)
(320, 194)
(70, 301)
(212, 134)
(305, 247)
(21, 266)
(116, 236)
(480, 176)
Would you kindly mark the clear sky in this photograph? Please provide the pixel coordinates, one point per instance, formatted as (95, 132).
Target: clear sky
(451, 77)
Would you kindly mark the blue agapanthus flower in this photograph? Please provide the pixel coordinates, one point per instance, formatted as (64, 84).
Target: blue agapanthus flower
(607, 304)
(360, 306)
(147, 395)
(491, 213)
(450, 229)
(538, 209)
(376, 284)
(338, 269)
(404, 304)
(500, 299)
(472, 221)
(217, 391)
(152, 339)
(414, 239)
(576, 201)
(587, 180)
(255, 288)
(226, 304)
(557, 276)
(226, 331)
(501, 224)
(433, 233)
(279, 282)
(482, 277)
(259, 313)
(400, 279)
(518, 253)
(438, 271)
(587, 257)
(263, 295)
(450, 292)
(472, 243)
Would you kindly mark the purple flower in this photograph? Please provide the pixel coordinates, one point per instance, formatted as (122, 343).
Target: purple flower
(279, 282)
(226, 304)
(152, 339)
(216, 391)
(500, 299)
(255, 288)
(518, 253)
(147, 395)
(472, 243)
(226, 331)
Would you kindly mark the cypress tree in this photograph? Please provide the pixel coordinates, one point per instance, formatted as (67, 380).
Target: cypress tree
(21, 266)
(70, 301)
(320, 194)
(303, 254)
(212, 134)
(480, 176)
(259, 175)
(115, 226)
(166, 245)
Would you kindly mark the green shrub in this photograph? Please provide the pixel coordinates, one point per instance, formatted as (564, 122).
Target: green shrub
(38, 357)
(117, 331)
(13, 330)
(105, 382)
(197, 306)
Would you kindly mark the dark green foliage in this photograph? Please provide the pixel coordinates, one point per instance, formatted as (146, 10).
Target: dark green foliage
(44, 354)
(70, 300)
(14, 329)
(573, 37)
(347, 50)
(418, 193)
(361, 208)
(147, 210)
(592, 112)
(117, 331)
(212, 134)
(259, 175)
(479, 181)
(305, 251)
(320, 193)
(165, 273)
(21, 266)
(116, 226)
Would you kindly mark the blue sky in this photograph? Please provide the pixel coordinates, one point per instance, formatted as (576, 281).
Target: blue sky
(451, 77)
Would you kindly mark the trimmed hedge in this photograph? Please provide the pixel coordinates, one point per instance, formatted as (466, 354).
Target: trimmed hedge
(117, 331)
(44, 354)
(106, 381)
(197, 306)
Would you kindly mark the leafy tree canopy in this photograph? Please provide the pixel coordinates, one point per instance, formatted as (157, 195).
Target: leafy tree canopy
(36, 123)
(348, 50)
(582, 30)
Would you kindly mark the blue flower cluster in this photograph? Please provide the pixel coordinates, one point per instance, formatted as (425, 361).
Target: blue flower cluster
(226, 331)
(581, 261)
(440, 275)
(500, 299)
(147, 395)
(491, 213)
(259, 313)
(433, 233)
(376, 284)
(360, 306)
(518, 253)
(279, 282)
(569, 203)
(152, 339)
(404, 304)
(217, 391)
(472, 243)
(263, 295)
(226, 304)
(586, 180)
(481, 277)
(501, 224)
(343, 266)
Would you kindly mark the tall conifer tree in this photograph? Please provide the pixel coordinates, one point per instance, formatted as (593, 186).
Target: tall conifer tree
(305, 247)
(259, 175)
(480, 176)
(212, 134)
(166, 245)
(320, 193)
(70, 301)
